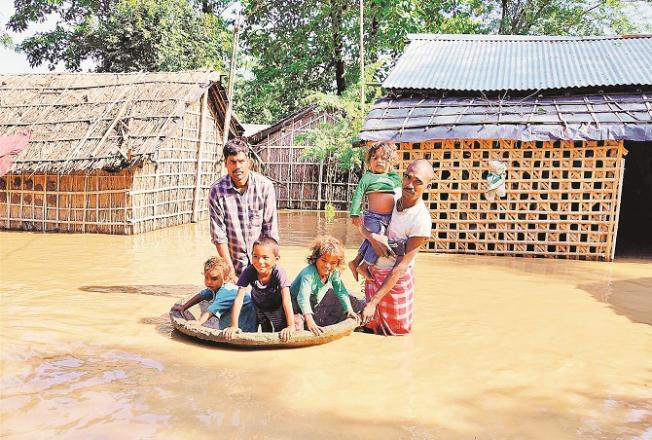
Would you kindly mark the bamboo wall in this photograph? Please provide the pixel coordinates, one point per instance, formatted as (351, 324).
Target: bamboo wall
(96, 202)
(166, 192)
(563, 197)
(303, 184)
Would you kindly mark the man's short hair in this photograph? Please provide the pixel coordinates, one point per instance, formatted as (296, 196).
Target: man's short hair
(235, 146)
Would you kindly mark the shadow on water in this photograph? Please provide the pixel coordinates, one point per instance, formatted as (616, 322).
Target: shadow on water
(170, 290)
(630, 298)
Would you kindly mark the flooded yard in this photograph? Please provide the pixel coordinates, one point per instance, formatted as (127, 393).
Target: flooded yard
(502, 348)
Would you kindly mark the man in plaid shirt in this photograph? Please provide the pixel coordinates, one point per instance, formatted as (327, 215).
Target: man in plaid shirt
(242, 207)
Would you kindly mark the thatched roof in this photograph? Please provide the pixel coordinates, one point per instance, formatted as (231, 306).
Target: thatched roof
(87, 121)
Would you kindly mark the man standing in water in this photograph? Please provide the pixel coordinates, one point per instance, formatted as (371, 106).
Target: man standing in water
(242, 207)
(390, 295)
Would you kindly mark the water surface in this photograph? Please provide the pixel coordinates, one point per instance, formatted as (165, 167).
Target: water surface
(503, 348)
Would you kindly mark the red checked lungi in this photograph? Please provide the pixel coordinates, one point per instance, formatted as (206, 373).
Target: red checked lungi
(394, 312)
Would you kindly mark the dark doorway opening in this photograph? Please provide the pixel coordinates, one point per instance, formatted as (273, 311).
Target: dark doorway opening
(635, 223)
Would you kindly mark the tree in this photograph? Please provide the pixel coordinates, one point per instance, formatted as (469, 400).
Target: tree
(123, 35)
(562, 17)
(312, 45)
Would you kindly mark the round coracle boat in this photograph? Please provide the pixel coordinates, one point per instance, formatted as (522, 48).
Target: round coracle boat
(301, 338)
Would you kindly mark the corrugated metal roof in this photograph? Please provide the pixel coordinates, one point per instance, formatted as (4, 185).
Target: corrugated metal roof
(591, 117)
(509, 62)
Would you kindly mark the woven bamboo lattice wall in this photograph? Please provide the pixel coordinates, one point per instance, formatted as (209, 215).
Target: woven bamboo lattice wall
(562, 197)
(300, 183)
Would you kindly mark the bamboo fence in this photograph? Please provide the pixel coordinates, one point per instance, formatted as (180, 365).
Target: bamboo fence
(301, 183)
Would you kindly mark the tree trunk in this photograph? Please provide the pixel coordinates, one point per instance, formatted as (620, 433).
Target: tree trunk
(503, 17)
(372, 55)
(338, 47)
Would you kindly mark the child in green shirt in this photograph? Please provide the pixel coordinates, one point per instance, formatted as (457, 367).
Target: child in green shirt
(377, 184)
(318, 294)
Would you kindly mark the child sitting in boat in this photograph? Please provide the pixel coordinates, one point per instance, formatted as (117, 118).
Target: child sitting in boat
(270, 293)
(216, 300)
(318, 293)
(377, 184)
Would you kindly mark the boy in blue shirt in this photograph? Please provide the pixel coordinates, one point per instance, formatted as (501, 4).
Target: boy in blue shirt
(220, 291)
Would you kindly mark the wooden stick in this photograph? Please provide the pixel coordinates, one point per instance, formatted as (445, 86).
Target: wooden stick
(200, 152)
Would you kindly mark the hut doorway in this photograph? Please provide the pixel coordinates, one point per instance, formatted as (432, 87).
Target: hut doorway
(635, 223)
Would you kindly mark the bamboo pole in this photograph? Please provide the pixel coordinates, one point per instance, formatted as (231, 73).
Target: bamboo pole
(45, 200)
(9, 201)
(85, 204)
(362, 77)
(200, 151)
(321, 173)
(229, 95)
(617, 219)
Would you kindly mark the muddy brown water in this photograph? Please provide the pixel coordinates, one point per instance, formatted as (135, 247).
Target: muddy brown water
(502, 348)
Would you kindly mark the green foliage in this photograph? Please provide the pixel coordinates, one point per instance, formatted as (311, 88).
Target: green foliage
(123, 35)
(5, 39)
(329, 212)
(332, 142)
(312, 45)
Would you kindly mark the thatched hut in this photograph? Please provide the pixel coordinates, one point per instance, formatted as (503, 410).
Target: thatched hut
(111, 153)
(301, 183)
(559, 112)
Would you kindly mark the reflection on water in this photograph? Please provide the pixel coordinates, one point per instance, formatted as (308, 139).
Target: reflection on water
(502, 348)
(300, 227)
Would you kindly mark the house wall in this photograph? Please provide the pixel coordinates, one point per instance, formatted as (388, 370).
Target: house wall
(96, 202)
(299, 183)
(562, 197)
(134, 200)
(163, 192)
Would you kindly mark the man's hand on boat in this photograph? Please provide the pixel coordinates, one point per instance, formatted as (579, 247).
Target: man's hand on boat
(230, 332)
(368, 312)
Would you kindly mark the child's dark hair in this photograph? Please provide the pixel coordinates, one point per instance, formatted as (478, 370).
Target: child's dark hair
(268, 242)
(235, 146)
(385, 149)
(220, 264)
(326, 244)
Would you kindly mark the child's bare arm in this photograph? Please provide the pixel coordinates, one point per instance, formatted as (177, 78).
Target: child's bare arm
(185, 306)
(287, 332)
(312, 325)
(235, 314)
(204, 317)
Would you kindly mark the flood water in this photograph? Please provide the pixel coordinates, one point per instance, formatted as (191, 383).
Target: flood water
(502, 348)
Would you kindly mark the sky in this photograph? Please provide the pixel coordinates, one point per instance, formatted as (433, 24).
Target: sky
(12, 62)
